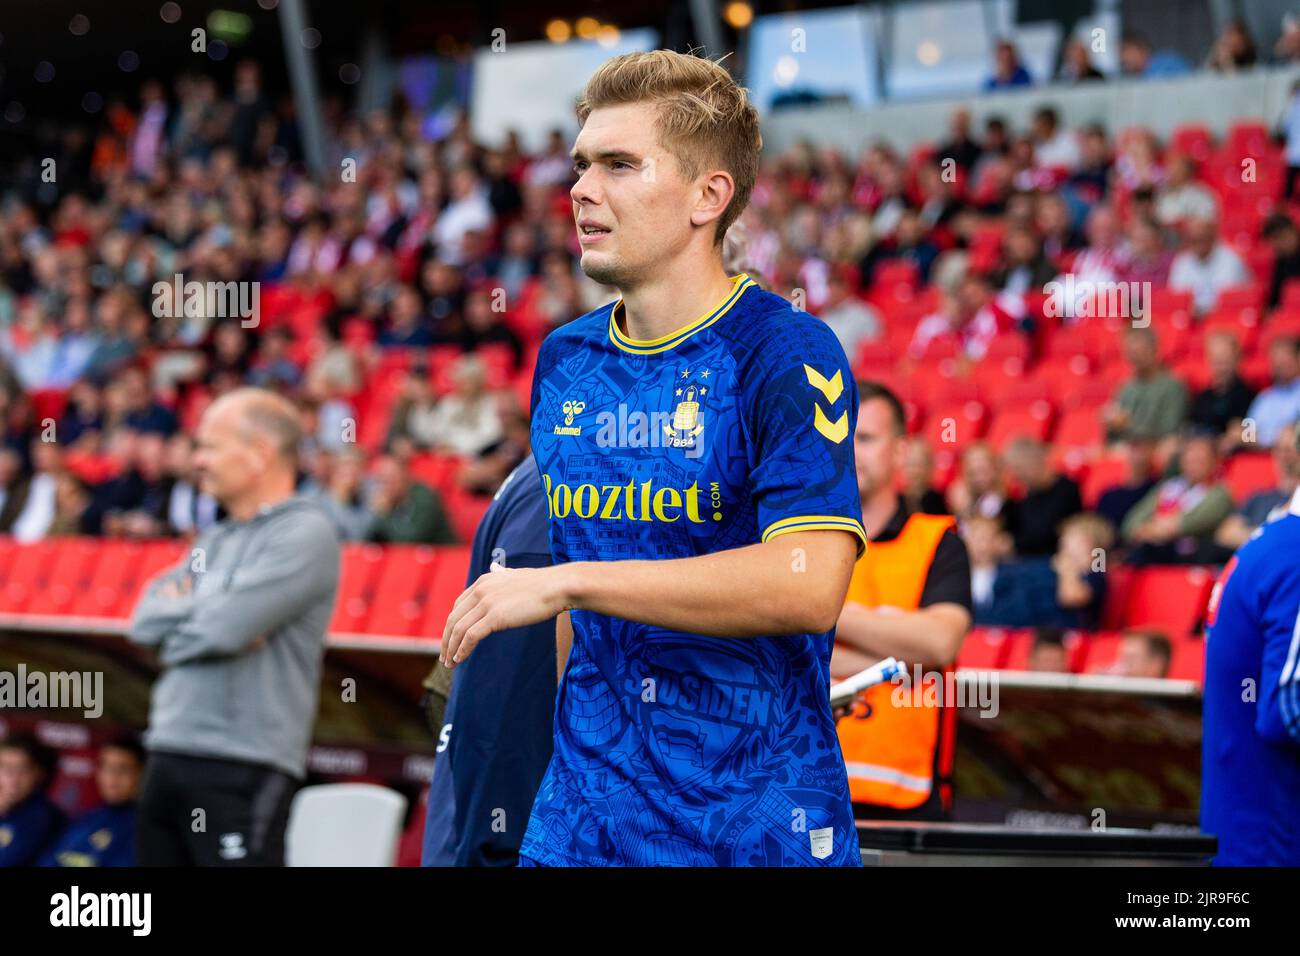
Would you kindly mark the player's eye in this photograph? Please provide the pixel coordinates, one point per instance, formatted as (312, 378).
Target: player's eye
(621, 162)
(579, 168)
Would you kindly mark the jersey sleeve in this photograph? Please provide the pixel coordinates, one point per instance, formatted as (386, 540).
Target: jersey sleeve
(803, 407)
(1278, 717)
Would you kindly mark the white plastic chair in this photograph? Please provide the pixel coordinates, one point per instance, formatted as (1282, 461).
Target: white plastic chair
(344, 824)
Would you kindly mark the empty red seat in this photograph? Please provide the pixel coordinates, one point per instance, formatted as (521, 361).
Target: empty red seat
(1080, 428)
(1168, 599)
(983, 648)
(1249, 472)
(397, 604)
(1034, 421)
(104, 594)
(26, 575)
(69, 574)
(446, 584)
(1097, 653)
(358, 572)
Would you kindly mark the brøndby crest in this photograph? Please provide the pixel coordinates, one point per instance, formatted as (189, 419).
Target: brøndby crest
(686, 425)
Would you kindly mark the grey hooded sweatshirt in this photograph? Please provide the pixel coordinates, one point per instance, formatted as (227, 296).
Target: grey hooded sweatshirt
(241, 648)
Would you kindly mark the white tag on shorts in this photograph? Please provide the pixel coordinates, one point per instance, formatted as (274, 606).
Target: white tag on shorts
(822, 842)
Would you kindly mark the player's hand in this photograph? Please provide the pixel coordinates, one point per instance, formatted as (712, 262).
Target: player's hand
(499, 600)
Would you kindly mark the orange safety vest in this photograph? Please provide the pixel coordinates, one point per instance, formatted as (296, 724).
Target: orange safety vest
(893, 753)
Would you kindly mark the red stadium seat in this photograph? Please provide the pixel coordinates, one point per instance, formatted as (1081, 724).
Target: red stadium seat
(397, 606)
(1248, 472)
(1104, 472)
(448, 581)
(107, 584)
(359, 570)
(70, 571)
(1097, 653)
(27, 574)
(1170, 599)
(1080, 428)
(1188, 660)
(1034, 421)
(984, 648)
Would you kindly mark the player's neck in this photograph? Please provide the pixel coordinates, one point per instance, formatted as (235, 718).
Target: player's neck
(674, 298)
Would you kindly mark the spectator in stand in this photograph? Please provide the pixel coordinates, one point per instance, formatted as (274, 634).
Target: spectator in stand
(188, 509)
(1064, 590)
(29, 820)
(1008, 71)
(849, 317)
(1117, 501)
(1100, 260)
(342, 492)
(970, 316)
(1090, 179)
(1176, 521)
(1143, 654)
(1151, 404)
(468, 420)
(1053, 146)
(105, 836)
(272, 367)
(143, 413)
(1048, 655)
(1280, 233)
(484, 325)
(1287, 48)
(82, 420)
(13, 488)
(1053, 223)
(407, 325)
(406, 511)
(1207, 266)
(988, 546)
(1146, 260)
(134, 503)
(1136, 59)
(1048, 498)
(918, 479)
(468, 209)
(1076, 63)
(1026, 268)
(33, 522)
(412, 425)
(909, 243)
(1183, 198)
(518, 263)
(483, 475)
(1279, 404)
(979, 488)
(71, 502)
(1269, 505)
(1221, 406)
(1234, 50)
(961, 146)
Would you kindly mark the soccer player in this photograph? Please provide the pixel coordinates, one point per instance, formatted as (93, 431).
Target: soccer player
(694, 441)
(1250, 750)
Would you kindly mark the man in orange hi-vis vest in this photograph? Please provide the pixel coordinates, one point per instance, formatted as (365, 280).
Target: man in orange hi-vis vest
(909, 598)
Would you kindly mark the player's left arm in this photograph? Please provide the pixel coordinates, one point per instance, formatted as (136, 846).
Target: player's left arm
(1278, 717)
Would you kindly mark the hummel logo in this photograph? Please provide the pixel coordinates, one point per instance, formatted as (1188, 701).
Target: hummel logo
(835, 431)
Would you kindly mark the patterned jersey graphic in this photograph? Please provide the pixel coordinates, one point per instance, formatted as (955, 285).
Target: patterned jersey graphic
(675, 748)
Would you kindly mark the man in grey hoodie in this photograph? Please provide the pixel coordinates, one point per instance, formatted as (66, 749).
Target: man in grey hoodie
(239, 626)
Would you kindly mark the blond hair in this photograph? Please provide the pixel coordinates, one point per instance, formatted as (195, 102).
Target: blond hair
(704, 117)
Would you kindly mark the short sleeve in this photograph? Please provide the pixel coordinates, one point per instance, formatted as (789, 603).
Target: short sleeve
(803, 407)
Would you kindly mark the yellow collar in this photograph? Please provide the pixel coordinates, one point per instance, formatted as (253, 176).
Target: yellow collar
(739, 284)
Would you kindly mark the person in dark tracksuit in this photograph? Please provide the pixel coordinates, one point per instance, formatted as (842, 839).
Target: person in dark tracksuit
(239, 624)
(105, 836)
(29, 820)
(498, 728)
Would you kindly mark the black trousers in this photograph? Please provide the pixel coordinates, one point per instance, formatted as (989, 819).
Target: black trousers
(206, 811)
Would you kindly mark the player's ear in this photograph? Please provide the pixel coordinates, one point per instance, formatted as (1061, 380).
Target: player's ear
(715, 195)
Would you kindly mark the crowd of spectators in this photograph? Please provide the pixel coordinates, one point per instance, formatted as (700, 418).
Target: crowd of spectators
(402, 303)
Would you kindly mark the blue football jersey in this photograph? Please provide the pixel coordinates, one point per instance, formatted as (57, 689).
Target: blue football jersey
(674, 748)
(1250, 760)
